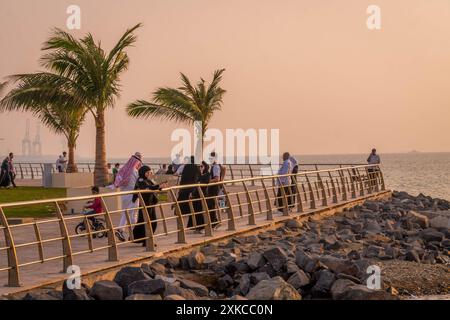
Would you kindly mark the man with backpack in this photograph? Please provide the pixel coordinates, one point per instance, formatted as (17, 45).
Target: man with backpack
(217, 174)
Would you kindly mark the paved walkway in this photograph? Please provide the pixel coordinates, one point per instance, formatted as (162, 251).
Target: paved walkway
(165, 238)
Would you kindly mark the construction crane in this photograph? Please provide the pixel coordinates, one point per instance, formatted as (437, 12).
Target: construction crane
(26, 142)
(37, 145)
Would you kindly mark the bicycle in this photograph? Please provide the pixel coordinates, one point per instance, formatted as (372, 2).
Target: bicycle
(95, 224)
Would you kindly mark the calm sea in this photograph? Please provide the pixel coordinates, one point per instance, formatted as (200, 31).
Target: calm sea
(427, 173)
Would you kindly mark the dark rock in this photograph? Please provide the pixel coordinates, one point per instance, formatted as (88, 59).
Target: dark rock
(323, 285)
(291, 267)
(276, 257)
(372, 206)
(431, 234)
(361, 292)
(293, 224)
(273, 289)
(338, 265)
(75, 294)
(418, 218)
(299, 279)
(106, 290)
(244, 284)
(255, 260)
(258, 276)
(412, 255)
(340, 288)
(305, 261)
(128, 275)
(153, 269)
(199, 290)
(151, 286)
(224, 282)
(172, 289)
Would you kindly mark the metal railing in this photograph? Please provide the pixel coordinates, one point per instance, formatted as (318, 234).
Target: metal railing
(33, 171)
(182, 212)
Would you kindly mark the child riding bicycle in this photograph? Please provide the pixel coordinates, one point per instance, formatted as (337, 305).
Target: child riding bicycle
(93, 207)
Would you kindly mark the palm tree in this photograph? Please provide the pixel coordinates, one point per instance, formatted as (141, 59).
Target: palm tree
(90, 78)
(186, 104)
(34, 93)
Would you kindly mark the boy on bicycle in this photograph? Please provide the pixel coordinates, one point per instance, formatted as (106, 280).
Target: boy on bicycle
(95, 207)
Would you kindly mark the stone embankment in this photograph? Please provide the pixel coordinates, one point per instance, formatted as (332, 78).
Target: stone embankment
(407, 237)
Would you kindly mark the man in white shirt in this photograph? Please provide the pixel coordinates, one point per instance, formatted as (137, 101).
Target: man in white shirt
(374, 159)
(61, 163)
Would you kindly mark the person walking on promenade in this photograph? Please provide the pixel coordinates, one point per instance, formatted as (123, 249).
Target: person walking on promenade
(284, 182)
(190, 175)
(61, 163)
(214, 190)
(205, 178)
(375, 160)
(294, 164)
(126, 180)
(5, 174)
(162, 170)
(144, 182)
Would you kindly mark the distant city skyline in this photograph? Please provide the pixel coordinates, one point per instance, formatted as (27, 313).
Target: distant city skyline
(312, 70)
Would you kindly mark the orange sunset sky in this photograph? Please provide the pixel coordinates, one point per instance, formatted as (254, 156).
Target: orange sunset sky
(309, 68)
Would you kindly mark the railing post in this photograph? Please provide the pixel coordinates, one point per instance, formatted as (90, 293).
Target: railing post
(268, 203)
(251, 210)
(112, 243)
(369, 179)
(66, 245)
(353, 188)
(251, 174)
(231, 222)
(231, 172)
(344, 188)
(13, 263)
(206, 215)
(283, 198)
(383, 186)
(361, 184)
(21, 171)
(311, 193)
(180, 224)
(297, 189)
(150, 240)
(32, 173)
(333, 188)
(324, 194)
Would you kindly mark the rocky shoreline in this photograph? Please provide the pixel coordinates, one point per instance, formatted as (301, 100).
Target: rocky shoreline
(407, 237)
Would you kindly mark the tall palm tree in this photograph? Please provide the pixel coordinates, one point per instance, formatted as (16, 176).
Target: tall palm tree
(90, 77)
(186, 104)
(34, 93)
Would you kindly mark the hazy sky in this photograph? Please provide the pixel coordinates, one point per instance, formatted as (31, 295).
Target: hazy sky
(310, 68)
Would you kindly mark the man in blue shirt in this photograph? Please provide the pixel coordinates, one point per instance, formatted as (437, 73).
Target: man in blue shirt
(213, 191)
(284, 182)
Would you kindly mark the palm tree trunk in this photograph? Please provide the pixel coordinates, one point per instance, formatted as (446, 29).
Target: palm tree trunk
(100, 171)
(71, 165)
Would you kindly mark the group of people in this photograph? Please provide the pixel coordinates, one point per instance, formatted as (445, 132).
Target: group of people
(134, 175)
(8, 172)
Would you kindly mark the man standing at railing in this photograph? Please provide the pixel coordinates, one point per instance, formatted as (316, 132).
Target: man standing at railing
(284, 182)
(61, 163)
(374, 159)
(12, 170)
(213, 191)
